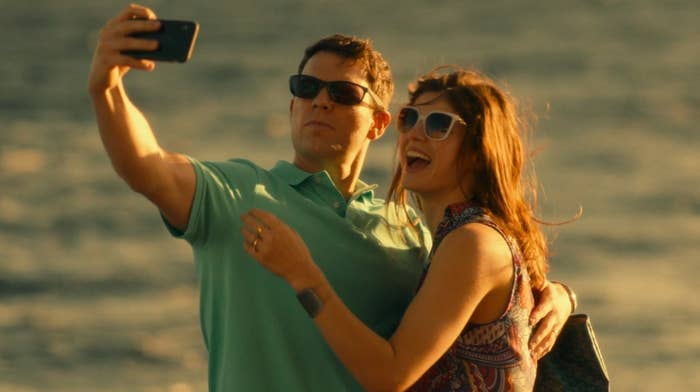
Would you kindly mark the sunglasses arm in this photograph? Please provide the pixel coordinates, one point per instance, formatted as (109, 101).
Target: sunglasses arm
(377, 101)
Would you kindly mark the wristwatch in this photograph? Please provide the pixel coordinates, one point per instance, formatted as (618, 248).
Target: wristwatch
(310, 301)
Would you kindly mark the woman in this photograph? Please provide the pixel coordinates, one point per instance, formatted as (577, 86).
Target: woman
(467, 328)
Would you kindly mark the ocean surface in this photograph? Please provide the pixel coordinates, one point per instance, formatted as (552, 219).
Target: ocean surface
(95, 295)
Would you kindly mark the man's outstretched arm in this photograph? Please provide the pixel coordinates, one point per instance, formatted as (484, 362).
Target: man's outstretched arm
(165, 178)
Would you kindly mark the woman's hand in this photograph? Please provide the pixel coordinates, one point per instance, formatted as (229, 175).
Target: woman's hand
(280, 249)
(549, 315)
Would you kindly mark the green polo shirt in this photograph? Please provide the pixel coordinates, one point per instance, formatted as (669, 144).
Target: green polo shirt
(258, 336)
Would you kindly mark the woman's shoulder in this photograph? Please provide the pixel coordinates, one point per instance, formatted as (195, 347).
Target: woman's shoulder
(477, 253)
(476, 238)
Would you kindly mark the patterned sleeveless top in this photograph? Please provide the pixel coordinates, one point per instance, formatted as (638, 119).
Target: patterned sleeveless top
(492, 356)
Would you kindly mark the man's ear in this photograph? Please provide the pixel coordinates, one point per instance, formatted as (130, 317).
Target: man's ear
(291, 105)
(381, 122)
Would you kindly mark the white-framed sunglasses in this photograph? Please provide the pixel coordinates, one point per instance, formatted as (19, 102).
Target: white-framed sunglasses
(437, 125)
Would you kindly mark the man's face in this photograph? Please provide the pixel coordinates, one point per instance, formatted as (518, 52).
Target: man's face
(325, 132)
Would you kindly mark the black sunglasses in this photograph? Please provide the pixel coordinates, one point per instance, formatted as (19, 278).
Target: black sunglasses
(437, 125)
(340, 91)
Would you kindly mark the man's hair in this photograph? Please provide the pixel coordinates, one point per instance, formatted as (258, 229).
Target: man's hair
(375, 69)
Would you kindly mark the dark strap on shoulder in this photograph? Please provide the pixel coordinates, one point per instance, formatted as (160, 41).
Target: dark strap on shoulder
(471, 214)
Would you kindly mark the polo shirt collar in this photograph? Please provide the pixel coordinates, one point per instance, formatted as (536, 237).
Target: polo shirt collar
(364, 189)
(295, 176)
(290, 173)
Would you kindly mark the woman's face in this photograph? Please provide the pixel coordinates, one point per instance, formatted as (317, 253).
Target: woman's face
(431, 167)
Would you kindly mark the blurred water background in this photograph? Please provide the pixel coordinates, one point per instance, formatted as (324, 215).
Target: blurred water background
(94, 294)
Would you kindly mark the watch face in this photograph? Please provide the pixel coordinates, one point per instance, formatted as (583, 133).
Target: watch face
(310, 301)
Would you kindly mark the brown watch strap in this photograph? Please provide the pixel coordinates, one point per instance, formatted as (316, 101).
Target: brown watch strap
(310, 301)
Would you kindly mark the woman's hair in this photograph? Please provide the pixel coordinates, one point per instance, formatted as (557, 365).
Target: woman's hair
(495, 133)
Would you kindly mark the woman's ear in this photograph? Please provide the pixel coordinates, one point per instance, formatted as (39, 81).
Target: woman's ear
(381, 122)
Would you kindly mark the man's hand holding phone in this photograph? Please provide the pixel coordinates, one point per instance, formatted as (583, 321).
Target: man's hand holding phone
(175, 41)
(136, 39)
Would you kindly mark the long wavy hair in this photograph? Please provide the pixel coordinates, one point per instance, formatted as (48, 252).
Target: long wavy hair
(495, 137)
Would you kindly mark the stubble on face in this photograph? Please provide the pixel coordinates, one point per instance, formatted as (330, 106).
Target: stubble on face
(325, 132)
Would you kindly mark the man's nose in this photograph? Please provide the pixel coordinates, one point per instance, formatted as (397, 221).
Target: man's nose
(322, 100)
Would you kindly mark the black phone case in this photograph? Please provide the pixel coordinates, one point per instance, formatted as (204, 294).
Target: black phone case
(175, 41)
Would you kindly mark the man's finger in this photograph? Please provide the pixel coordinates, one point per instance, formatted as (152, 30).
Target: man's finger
(142, 64)
(547, 343)
(546, 346)
(137, 44)
(540, 311)
(134, 26)
(541, 331)
(135, 11)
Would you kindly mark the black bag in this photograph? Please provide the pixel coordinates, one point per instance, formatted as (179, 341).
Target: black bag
(575, 362)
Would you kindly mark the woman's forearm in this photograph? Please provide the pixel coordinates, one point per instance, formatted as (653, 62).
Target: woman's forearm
(370, 358)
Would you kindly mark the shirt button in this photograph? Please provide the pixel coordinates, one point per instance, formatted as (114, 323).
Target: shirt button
(336, 204)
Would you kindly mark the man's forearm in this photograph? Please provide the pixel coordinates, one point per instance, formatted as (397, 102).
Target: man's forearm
(127, 138)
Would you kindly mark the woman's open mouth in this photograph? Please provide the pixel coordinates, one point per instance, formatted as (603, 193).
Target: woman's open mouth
(416, 160)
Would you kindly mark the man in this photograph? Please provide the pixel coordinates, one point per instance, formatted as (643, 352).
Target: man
(257, 337)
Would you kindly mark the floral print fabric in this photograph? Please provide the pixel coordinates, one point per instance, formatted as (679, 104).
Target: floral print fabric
(492, 356)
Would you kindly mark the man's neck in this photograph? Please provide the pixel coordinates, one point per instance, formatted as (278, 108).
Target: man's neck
(344, 178)
(344, 175)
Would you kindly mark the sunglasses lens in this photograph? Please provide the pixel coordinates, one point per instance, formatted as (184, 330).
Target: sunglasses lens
(308, 87)
(303, 86)
(408, 117)
(437, 125)
(346, 93)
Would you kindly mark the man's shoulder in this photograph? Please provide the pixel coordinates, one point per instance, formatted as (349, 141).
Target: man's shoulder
(233, 163)
(235, 168)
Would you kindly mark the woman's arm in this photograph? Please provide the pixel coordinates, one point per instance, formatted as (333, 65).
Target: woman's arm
(471, 263)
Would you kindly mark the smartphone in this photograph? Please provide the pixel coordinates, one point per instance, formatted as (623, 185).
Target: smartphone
(176, 40)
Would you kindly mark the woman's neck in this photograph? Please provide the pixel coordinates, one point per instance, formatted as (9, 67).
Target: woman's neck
(434, 209)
